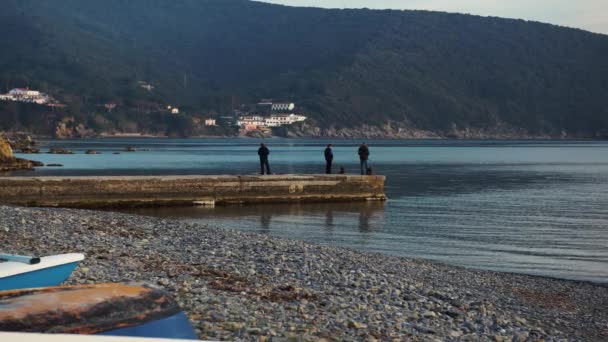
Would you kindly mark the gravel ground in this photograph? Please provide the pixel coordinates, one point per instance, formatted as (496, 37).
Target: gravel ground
(241, 286)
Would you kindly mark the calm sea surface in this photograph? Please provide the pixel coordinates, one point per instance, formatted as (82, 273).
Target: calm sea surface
(527, 207)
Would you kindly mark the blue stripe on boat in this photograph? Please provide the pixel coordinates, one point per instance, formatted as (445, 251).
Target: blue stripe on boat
(46, 277)
(174, 327)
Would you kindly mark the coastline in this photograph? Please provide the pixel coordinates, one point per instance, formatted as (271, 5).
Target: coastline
(39, 138)
(466, 136)
(246, 286)
(332, 136)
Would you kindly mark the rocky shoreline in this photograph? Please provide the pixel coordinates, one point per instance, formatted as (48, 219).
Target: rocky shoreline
(388, 130)
(242, 286)
(8, 162)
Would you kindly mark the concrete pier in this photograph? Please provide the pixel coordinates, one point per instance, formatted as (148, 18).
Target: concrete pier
(150, 191)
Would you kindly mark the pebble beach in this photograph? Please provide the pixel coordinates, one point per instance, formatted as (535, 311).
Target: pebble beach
(250, 287)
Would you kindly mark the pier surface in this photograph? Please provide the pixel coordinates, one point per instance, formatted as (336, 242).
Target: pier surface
(142, 191)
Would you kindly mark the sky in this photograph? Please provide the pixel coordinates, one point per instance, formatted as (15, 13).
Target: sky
(591, 15)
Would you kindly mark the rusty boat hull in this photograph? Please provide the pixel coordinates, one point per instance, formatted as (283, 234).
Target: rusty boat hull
(106, 309)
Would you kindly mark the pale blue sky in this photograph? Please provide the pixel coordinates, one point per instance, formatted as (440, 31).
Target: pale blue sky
(590, 15)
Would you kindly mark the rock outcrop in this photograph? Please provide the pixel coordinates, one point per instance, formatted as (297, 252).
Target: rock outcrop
(21, 142)
(6, 152)
(60, 150)
(404, 130)
(389, 130)
(8, 162)
(68, 128)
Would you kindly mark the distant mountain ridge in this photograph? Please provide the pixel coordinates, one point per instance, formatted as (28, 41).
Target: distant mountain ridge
(404, 73)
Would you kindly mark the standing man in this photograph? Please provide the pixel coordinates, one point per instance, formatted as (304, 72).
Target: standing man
(363, 156)
(329, 158)
(263, 152)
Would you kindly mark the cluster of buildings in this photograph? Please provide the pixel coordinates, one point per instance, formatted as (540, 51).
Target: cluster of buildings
(254, 122)
(28, 96)
(268, 115)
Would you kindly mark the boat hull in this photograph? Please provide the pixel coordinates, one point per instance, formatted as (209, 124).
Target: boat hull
(127, 310)
(175, 327)
(46, 277)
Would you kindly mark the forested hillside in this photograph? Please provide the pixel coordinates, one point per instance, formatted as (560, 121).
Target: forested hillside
(438, 73)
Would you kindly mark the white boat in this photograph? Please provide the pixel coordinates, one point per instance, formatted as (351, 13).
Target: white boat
(18, 272)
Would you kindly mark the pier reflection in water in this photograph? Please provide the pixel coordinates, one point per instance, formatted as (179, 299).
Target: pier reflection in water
(317, 222)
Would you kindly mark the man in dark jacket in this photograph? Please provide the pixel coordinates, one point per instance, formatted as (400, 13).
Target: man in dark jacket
(363, 156)
(329, 158)
(263, 152)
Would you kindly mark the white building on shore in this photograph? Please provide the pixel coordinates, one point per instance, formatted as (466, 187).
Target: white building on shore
(283, 107)
(20, 92)
(253, 122)
(283, 119)
(26, 95)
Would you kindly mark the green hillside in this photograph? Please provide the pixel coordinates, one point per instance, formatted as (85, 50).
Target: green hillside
(424, 71)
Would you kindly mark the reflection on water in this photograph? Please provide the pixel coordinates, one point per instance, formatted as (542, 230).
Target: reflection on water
(528, 207)
(265, 220)
(283, 218)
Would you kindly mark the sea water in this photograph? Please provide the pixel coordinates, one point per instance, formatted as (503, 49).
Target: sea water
(533, 207)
